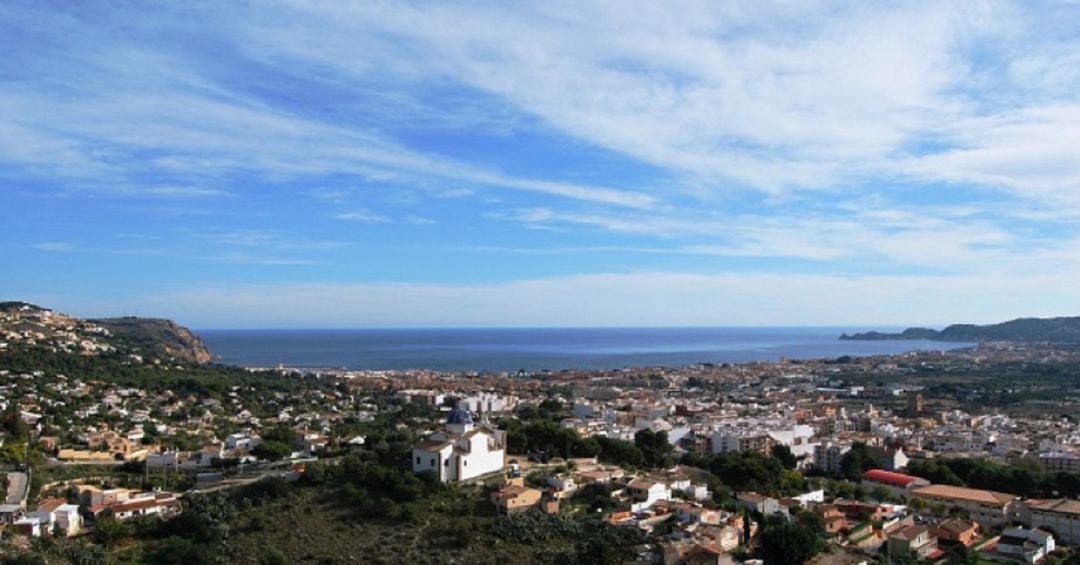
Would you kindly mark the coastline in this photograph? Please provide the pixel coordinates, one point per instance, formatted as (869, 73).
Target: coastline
(536, 350)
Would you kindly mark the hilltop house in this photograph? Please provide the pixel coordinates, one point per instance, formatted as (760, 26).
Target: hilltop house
(55, 514)
(464, 451)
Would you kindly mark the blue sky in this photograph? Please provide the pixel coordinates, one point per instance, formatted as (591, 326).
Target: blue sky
(338, 164)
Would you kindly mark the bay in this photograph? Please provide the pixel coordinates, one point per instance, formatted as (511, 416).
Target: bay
(535, 349)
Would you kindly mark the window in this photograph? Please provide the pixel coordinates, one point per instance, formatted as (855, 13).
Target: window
(417, 460)
(466, 462)
(432, 461)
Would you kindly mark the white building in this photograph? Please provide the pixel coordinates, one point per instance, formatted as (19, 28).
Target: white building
(645, 493)
(28, 526)
(55, 514)
(1060, 515)
(146, 505)
(242, 441)
(462, 452)
(1026, 546)
(487, 402)
(895, 460)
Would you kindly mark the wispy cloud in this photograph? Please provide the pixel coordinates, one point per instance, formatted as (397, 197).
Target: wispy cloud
(272, 240)
(603, 299)
(238, 258)
(55, 246)
(185, 192)
(936, 139)
(362, 216)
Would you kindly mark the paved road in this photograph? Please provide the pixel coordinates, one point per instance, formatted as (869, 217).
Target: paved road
(16, 493)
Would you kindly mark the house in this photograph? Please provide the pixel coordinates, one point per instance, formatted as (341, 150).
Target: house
(161, 504)
(645, 493)
(755, 502)
(599, 476)
(311, 442)
(242, 441)
(859, 511)
(9, 513)
(895, 459)
(988, 508)
(513, 499)
(118, 446)
(955, 531)
(698, 491)
(693, 552)
(898, 484)
(1026, 546)
(28, 526)
(912, 541)
(562, 485)
(55, 514)
(832, 519)
(90, 495)
(723, 537)
(695, 514)
(464, 451)
(205, 457)
(1062, 516)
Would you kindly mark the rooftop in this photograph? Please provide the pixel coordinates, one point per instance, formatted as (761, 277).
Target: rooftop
(987, 497)
(891, 478)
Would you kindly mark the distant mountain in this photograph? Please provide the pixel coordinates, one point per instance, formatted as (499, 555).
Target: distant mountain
(28, 325)
(1025, 330)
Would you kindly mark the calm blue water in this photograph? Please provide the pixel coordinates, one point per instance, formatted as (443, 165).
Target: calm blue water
(535, 349)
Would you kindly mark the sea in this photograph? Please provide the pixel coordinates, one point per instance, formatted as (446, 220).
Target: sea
(538, 349)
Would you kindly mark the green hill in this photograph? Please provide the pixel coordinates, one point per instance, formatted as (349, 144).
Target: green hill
(1063, 330)
(153, 335)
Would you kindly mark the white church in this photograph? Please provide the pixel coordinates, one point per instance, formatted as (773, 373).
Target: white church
(464, 451)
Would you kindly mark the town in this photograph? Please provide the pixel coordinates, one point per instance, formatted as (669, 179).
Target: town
(118, 452)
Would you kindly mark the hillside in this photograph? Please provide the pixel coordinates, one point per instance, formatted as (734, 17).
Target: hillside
(1063, 330)
(25, 325)
(157, 335)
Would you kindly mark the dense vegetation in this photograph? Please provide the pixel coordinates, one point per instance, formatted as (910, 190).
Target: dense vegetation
(1025, 478)
(544, 437)
(200, 380)
(750, 471)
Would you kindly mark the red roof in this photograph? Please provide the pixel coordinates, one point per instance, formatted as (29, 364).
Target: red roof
(889, 478)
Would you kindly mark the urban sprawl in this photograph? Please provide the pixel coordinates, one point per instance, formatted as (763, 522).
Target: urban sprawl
(954, 456)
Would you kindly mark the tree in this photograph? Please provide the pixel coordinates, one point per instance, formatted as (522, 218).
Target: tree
(743, 471)
(783, 454)
(109, 530)
(655, 448)
(857, 461)
(272, 450)
(747, 527)
(880, 494)
(620, 452)
(14, 425)
(785, 543)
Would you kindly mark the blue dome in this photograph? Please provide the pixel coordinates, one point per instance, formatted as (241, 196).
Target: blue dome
(459, 416)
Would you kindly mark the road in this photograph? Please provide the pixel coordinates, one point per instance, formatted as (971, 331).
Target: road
(16, 493)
